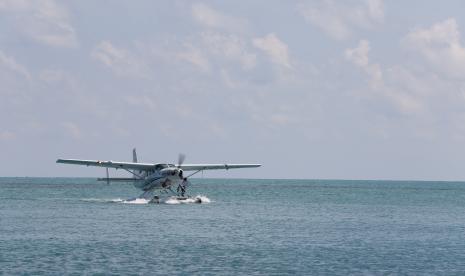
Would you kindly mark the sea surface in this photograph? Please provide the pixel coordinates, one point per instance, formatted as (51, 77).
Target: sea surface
(57, 226)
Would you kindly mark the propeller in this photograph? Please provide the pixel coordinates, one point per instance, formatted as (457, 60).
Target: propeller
(185, 181)
(181, 158)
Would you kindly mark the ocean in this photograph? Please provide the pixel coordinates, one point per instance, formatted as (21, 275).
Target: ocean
(57, 226)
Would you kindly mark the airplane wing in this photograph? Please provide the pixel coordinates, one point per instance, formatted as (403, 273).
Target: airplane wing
(148, 166)
(201, 167)
(109, 164)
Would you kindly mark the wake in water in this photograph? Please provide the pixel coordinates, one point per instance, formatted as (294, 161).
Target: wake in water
(170, 200)
(136, 201)
(196, 199)
(103, 200)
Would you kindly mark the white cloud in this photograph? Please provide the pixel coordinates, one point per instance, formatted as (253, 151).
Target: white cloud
(339, 18)
(359, 57)
(7, 135)
(14, 5)
(237, 58)
(45, 21)
(231, 47)
(440, 45)
(15, 82)
(209, 49)
(274, 48)
(209, 17)
(375, 9)
(120, 61)
(194, 56)
(10, 63)
(397, 90)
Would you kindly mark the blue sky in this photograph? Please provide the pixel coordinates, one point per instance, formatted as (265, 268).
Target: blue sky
(365, 89)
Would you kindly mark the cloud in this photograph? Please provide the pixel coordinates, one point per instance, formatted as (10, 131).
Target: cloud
(120, 61)
(359, 57)
(209, 50)
(225, 46)
(16, 82)
(10, 64)
(195, 57)
(7, 135)
(209, 17)
(274, 48)
(231, 47)
(406, 100)
(440, 45)
(43, 20)
(339, 18)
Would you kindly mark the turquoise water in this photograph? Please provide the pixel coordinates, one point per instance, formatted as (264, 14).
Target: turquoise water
(250, 227)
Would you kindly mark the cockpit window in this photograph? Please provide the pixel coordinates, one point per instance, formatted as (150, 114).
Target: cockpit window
(161, 166)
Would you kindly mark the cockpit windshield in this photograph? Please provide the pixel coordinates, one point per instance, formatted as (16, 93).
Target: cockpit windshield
(161, 166)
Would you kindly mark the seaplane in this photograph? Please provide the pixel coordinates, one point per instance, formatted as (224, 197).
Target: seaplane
(155, 179)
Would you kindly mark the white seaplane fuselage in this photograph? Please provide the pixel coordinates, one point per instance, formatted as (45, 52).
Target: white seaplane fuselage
(165, 178)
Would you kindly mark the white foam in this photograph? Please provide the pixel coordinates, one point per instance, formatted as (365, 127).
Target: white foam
(115, 200)
(136, 201)
(203, 198)
(169, 200)
(173, 200)
(196, 199)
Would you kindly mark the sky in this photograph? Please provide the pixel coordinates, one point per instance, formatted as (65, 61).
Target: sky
(357, 89)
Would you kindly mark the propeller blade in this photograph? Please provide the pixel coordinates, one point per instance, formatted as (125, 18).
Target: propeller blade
(181, 158)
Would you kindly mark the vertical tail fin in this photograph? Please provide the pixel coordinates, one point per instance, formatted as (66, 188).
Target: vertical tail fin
(134, 155)
(134, 159)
